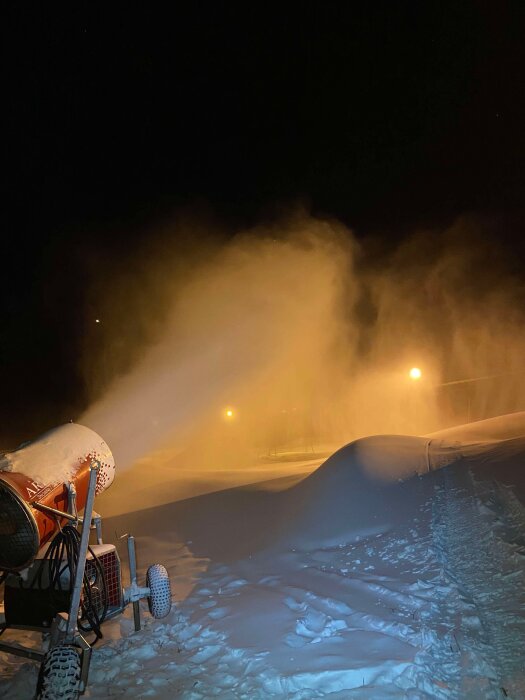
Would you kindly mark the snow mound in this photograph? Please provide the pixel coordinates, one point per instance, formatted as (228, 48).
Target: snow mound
(511, 425)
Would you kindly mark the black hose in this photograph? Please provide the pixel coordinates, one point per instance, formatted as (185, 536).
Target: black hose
(63, 555)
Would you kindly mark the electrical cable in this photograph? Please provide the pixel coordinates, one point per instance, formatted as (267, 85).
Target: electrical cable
(62, 556)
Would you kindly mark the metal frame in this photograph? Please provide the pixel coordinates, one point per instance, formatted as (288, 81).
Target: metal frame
(72, 626)
(64, 628)
(19, 650)
(134, 593)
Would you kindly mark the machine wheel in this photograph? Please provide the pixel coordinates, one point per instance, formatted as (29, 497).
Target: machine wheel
(159, 599)
(59, 677)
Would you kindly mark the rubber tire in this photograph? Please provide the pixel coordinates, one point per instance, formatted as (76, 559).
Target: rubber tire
(159, 599)
(59, 677)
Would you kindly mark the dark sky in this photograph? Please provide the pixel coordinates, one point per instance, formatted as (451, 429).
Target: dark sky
(387, 115)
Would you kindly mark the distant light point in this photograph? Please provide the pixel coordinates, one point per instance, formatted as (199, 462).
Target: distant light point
(415, 373)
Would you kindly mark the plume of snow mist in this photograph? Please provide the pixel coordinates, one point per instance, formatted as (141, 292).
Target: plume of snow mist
(255, 326)
(451, 301)
(307, 338)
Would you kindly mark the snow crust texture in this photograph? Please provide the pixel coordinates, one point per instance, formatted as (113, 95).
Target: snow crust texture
(56, 456)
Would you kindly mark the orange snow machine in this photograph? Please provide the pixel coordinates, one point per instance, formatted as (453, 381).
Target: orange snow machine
(55, 581)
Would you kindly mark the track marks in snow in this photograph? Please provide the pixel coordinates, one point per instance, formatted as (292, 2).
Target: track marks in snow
(475, 531)
(407, 613)
(386, 593)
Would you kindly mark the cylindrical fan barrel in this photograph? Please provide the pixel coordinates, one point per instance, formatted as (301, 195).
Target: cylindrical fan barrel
(37, 474)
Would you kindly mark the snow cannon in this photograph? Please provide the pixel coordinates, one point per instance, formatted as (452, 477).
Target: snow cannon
(55, 581)
(41, 483)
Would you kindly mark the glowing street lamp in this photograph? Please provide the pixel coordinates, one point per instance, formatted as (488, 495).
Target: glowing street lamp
(415, 373)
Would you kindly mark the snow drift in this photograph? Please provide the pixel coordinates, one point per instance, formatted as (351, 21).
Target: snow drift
(371, 577)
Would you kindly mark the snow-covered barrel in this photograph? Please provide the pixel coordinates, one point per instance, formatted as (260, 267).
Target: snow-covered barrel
(36, 476)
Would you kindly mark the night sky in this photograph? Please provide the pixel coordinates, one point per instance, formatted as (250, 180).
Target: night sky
(387, 115)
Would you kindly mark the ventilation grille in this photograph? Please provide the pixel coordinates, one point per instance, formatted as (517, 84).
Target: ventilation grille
(111, 565)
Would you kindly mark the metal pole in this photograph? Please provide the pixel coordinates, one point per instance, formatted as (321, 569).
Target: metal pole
(133, 579)
(478, 379)
(98, 527)
(19, 650)
(82, 554)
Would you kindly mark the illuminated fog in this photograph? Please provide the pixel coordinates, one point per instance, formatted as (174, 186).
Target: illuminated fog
(305, 335)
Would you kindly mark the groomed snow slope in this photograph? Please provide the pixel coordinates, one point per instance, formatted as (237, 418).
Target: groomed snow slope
(394, 570)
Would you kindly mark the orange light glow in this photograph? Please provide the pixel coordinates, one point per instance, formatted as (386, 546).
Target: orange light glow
(415, 373)
(228, 413)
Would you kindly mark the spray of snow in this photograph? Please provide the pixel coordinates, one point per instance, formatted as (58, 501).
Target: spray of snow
(306, 334)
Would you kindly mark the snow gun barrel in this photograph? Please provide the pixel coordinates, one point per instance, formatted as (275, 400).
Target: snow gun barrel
(42, 483)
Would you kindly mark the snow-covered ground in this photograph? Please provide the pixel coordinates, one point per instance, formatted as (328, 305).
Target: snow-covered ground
(396, 569)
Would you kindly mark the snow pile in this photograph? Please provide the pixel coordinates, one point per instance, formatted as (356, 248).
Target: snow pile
(374, 577)
(55, 456)
(499, 428)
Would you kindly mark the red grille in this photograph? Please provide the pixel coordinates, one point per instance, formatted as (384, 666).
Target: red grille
(111, 567)
(110, 562)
